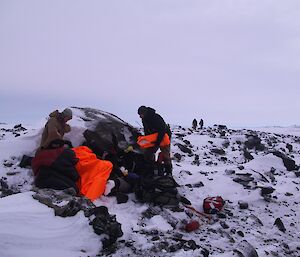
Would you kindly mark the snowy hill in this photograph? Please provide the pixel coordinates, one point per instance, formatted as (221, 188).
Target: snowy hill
(256, 172)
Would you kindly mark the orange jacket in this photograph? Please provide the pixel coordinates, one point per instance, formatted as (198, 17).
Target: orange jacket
(93, 173)
(149, 140)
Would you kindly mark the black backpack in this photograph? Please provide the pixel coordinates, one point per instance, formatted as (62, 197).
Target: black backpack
(159, 190)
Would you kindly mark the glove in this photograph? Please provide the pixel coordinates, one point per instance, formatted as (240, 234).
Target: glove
(128, 149)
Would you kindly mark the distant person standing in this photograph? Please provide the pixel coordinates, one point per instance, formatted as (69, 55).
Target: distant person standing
(201, 123)
(195, 123)
(157, 136)
(56, 127)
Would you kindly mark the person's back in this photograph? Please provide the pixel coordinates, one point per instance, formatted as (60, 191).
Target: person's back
(56, 127)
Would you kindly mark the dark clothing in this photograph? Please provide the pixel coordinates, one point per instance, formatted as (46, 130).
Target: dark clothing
(55, 168)
(194, 123)
(201, 124)
(154, 123)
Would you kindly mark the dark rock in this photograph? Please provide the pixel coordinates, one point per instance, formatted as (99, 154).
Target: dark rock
(175, 247)
(220, 127)
(229, 172)
(222, 133)
(224, 159)
(177, 157)
(243, 205)
(253, 141)
(68, 210)
(25, 161)
(199, 184)
(104, 223)
(289, 147)
(297, 173)
(278, 222)
(218, 151)
(240, 233)
(267, 190)
(241, 167)
(224, 225)
(110, 133)
(187, 142)
(288, 194)
(288, 162)
(247, 155)
(221, 215)
(244, 249)
(243, 179)
(190, 245)
(205, 252)
(5, 189)
(196, 161)
(184, 148)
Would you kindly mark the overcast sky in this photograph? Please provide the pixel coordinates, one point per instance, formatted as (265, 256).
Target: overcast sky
(235, 62)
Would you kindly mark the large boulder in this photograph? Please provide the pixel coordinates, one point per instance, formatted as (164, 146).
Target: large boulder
(105, 131)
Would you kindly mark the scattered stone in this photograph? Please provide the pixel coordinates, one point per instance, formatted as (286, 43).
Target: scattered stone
(12, 173)
(289, 147)
(221, 215)
(267, 190)
(244, 249)
(240, 233)
(243, 205)
(278, 222)
(288, 194)
(199, 184)
(184, 148)
(218, 151)
(177, 157)
(247, 155)
(229, 172)
(224, 225)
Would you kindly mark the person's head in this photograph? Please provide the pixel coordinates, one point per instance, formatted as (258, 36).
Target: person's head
(67, 114)
(142, 111)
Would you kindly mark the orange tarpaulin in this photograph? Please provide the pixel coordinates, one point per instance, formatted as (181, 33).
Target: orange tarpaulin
(148, 141)
(93, 172)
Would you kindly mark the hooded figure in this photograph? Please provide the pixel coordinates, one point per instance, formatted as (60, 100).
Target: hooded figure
(56, 127)
(154, 123)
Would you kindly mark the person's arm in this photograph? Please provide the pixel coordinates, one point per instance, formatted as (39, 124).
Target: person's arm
(53, 131)
(67, 128)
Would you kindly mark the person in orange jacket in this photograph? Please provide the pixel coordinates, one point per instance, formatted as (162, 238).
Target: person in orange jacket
(154, 125)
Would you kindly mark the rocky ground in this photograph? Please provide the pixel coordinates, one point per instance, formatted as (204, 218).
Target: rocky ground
(257, 174)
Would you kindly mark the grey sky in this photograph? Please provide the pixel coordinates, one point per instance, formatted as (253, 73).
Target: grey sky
(235, 62)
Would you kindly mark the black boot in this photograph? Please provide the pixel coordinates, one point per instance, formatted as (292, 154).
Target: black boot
(168, 169)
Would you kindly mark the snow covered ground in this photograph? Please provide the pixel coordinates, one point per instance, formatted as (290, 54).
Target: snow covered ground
(209, 162)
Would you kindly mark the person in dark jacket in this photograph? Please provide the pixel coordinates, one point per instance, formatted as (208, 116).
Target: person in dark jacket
(201, 124)
(194, 124)
(154, 123)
